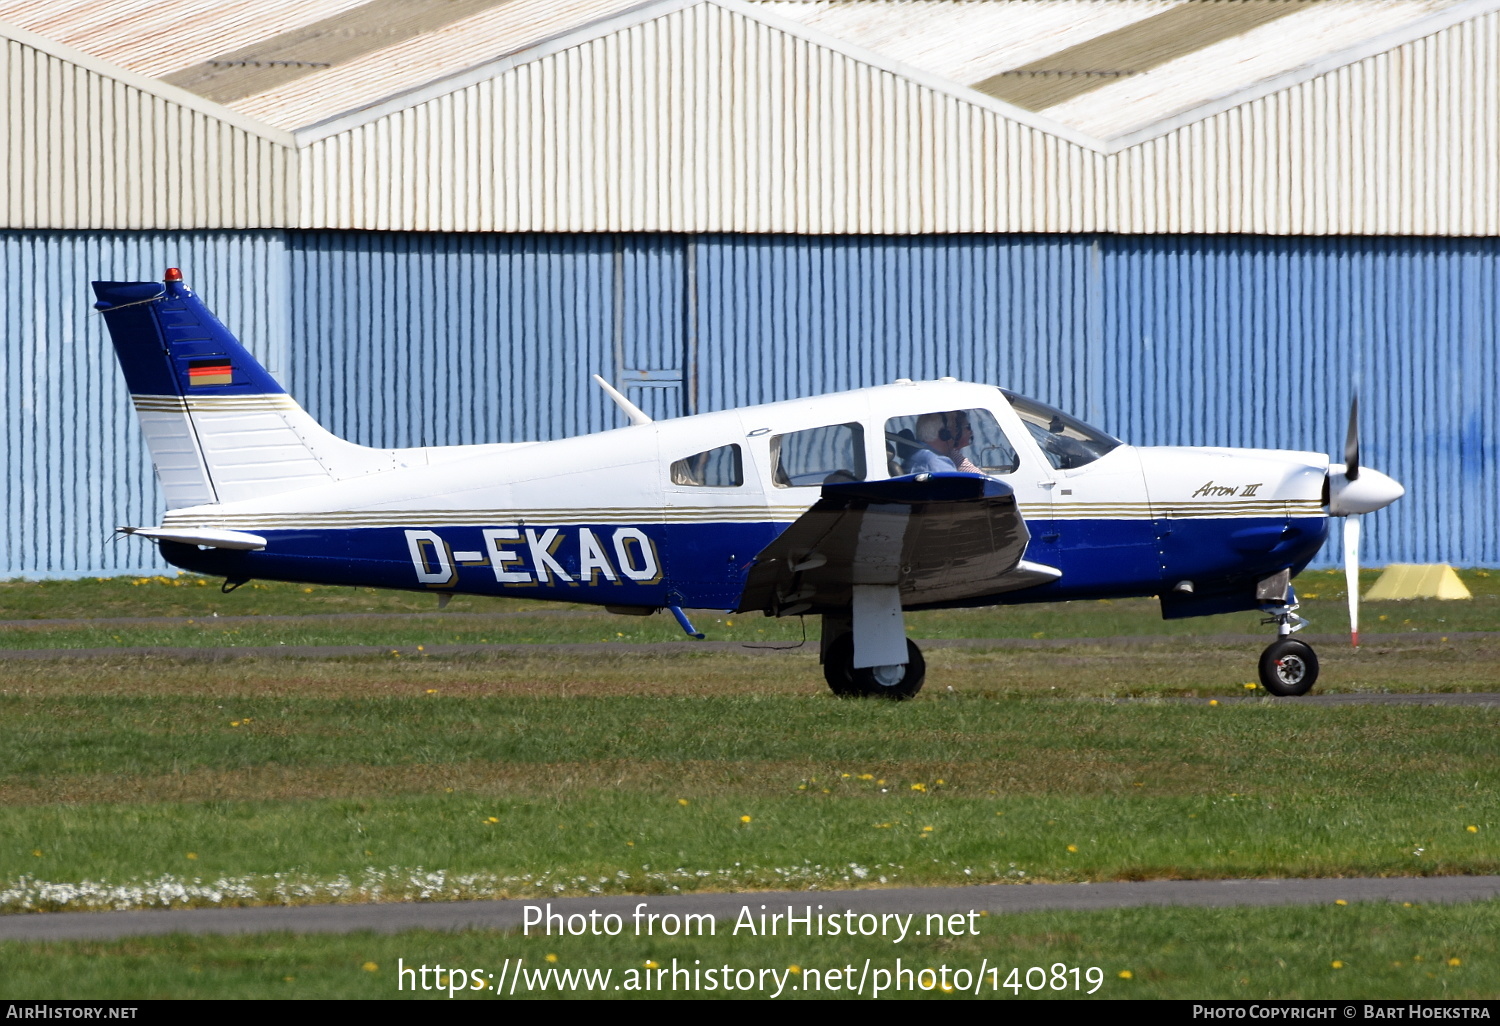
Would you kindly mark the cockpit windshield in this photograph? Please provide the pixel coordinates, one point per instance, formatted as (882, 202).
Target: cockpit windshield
(1067, 442)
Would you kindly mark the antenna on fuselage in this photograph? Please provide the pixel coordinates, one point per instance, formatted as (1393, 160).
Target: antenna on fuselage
(630, 409)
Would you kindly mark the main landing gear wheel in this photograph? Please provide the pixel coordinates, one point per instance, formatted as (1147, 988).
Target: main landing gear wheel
(1288, 667)
(894, 682)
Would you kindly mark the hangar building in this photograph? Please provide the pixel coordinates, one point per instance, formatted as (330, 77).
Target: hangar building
(1188, 221)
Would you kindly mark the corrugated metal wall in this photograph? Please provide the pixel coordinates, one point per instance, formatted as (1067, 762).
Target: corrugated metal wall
(701, 120)
(75, 464)
(86, 150)
(1223, 340)
(1406, 142)
(452, 339)
(709, 120)
(706, 120)
(1199, 341)
(400, 339)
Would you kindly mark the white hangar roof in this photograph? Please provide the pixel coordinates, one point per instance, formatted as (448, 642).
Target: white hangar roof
(818, 116)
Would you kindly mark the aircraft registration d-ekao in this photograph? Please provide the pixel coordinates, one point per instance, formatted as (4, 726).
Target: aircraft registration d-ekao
(853, 506)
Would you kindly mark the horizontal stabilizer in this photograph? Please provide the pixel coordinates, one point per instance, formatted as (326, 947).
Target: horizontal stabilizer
(206, 536)
(937, 537)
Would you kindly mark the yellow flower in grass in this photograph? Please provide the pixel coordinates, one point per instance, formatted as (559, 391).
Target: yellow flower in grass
(551, 957)
(1126, 974)
(919, 787)
(1472, 829)
(1454, 962)
(652, 965)
(1337, 964)
(370, 967)
(682, 801)
(1073, 848)
(744, 819)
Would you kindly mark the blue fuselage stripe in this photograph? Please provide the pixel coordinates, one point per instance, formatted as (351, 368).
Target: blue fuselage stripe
(705, 565)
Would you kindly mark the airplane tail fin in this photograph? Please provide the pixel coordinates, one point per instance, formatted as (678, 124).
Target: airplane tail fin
(219, 426)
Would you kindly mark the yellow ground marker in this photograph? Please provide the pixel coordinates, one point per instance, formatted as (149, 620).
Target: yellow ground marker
(1417, 580)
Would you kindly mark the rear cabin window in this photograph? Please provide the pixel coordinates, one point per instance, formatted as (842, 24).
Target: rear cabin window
(823, 455)
(926, 443)
(716, 468)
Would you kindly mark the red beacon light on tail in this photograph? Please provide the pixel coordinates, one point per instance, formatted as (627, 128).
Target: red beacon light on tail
(173, 274)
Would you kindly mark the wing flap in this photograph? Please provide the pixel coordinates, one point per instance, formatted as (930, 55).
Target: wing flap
(937, 537)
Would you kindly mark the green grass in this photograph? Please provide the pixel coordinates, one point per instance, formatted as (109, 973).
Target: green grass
(128, 779)
(197, 599)
(568, 794)
(1373, 951)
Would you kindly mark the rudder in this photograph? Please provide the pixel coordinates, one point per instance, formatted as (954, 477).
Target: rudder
(219, 427)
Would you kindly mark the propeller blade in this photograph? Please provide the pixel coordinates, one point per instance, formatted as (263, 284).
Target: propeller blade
(1351, 574)
(1351, 443)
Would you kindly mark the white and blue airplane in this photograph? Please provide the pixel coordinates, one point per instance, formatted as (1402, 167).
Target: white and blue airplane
(852, 506)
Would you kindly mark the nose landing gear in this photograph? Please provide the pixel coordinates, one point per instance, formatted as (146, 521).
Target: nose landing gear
(1287, 667)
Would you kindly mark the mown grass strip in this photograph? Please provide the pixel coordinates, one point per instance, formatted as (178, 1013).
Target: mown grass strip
(1044, 745)
(1088, 669)
(189, 597)
(574, 791)
(1345, 953)
(473, 846)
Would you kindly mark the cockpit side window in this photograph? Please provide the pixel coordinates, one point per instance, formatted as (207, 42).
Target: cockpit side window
(1067, 442)
(927, 442)
(717, 468)
(822, 455)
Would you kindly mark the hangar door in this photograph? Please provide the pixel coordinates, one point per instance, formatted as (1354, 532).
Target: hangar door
(655, 323)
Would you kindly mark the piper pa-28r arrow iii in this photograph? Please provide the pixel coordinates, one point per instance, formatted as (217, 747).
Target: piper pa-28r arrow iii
(853, 506)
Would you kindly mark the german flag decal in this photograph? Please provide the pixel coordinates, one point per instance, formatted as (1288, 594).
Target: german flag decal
(210, 372)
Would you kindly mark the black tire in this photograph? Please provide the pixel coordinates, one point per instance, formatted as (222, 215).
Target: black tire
(1288, 668)
(838, 667)
(847, 682)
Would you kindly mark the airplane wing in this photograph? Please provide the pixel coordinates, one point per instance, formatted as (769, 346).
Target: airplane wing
(938, 537)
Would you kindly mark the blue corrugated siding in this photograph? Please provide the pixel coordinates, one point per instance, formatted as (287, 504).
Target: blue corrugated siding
(397, 339)
(452, 339)
(75, 463)
(1259, 342)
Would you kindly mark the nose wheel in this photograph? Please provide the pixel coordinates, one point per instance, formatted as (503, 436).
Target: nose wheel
(1288, 667)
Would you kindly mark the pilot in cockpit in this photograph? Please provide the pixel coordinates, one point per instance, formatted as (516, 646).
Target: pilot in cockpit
(945, 435)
